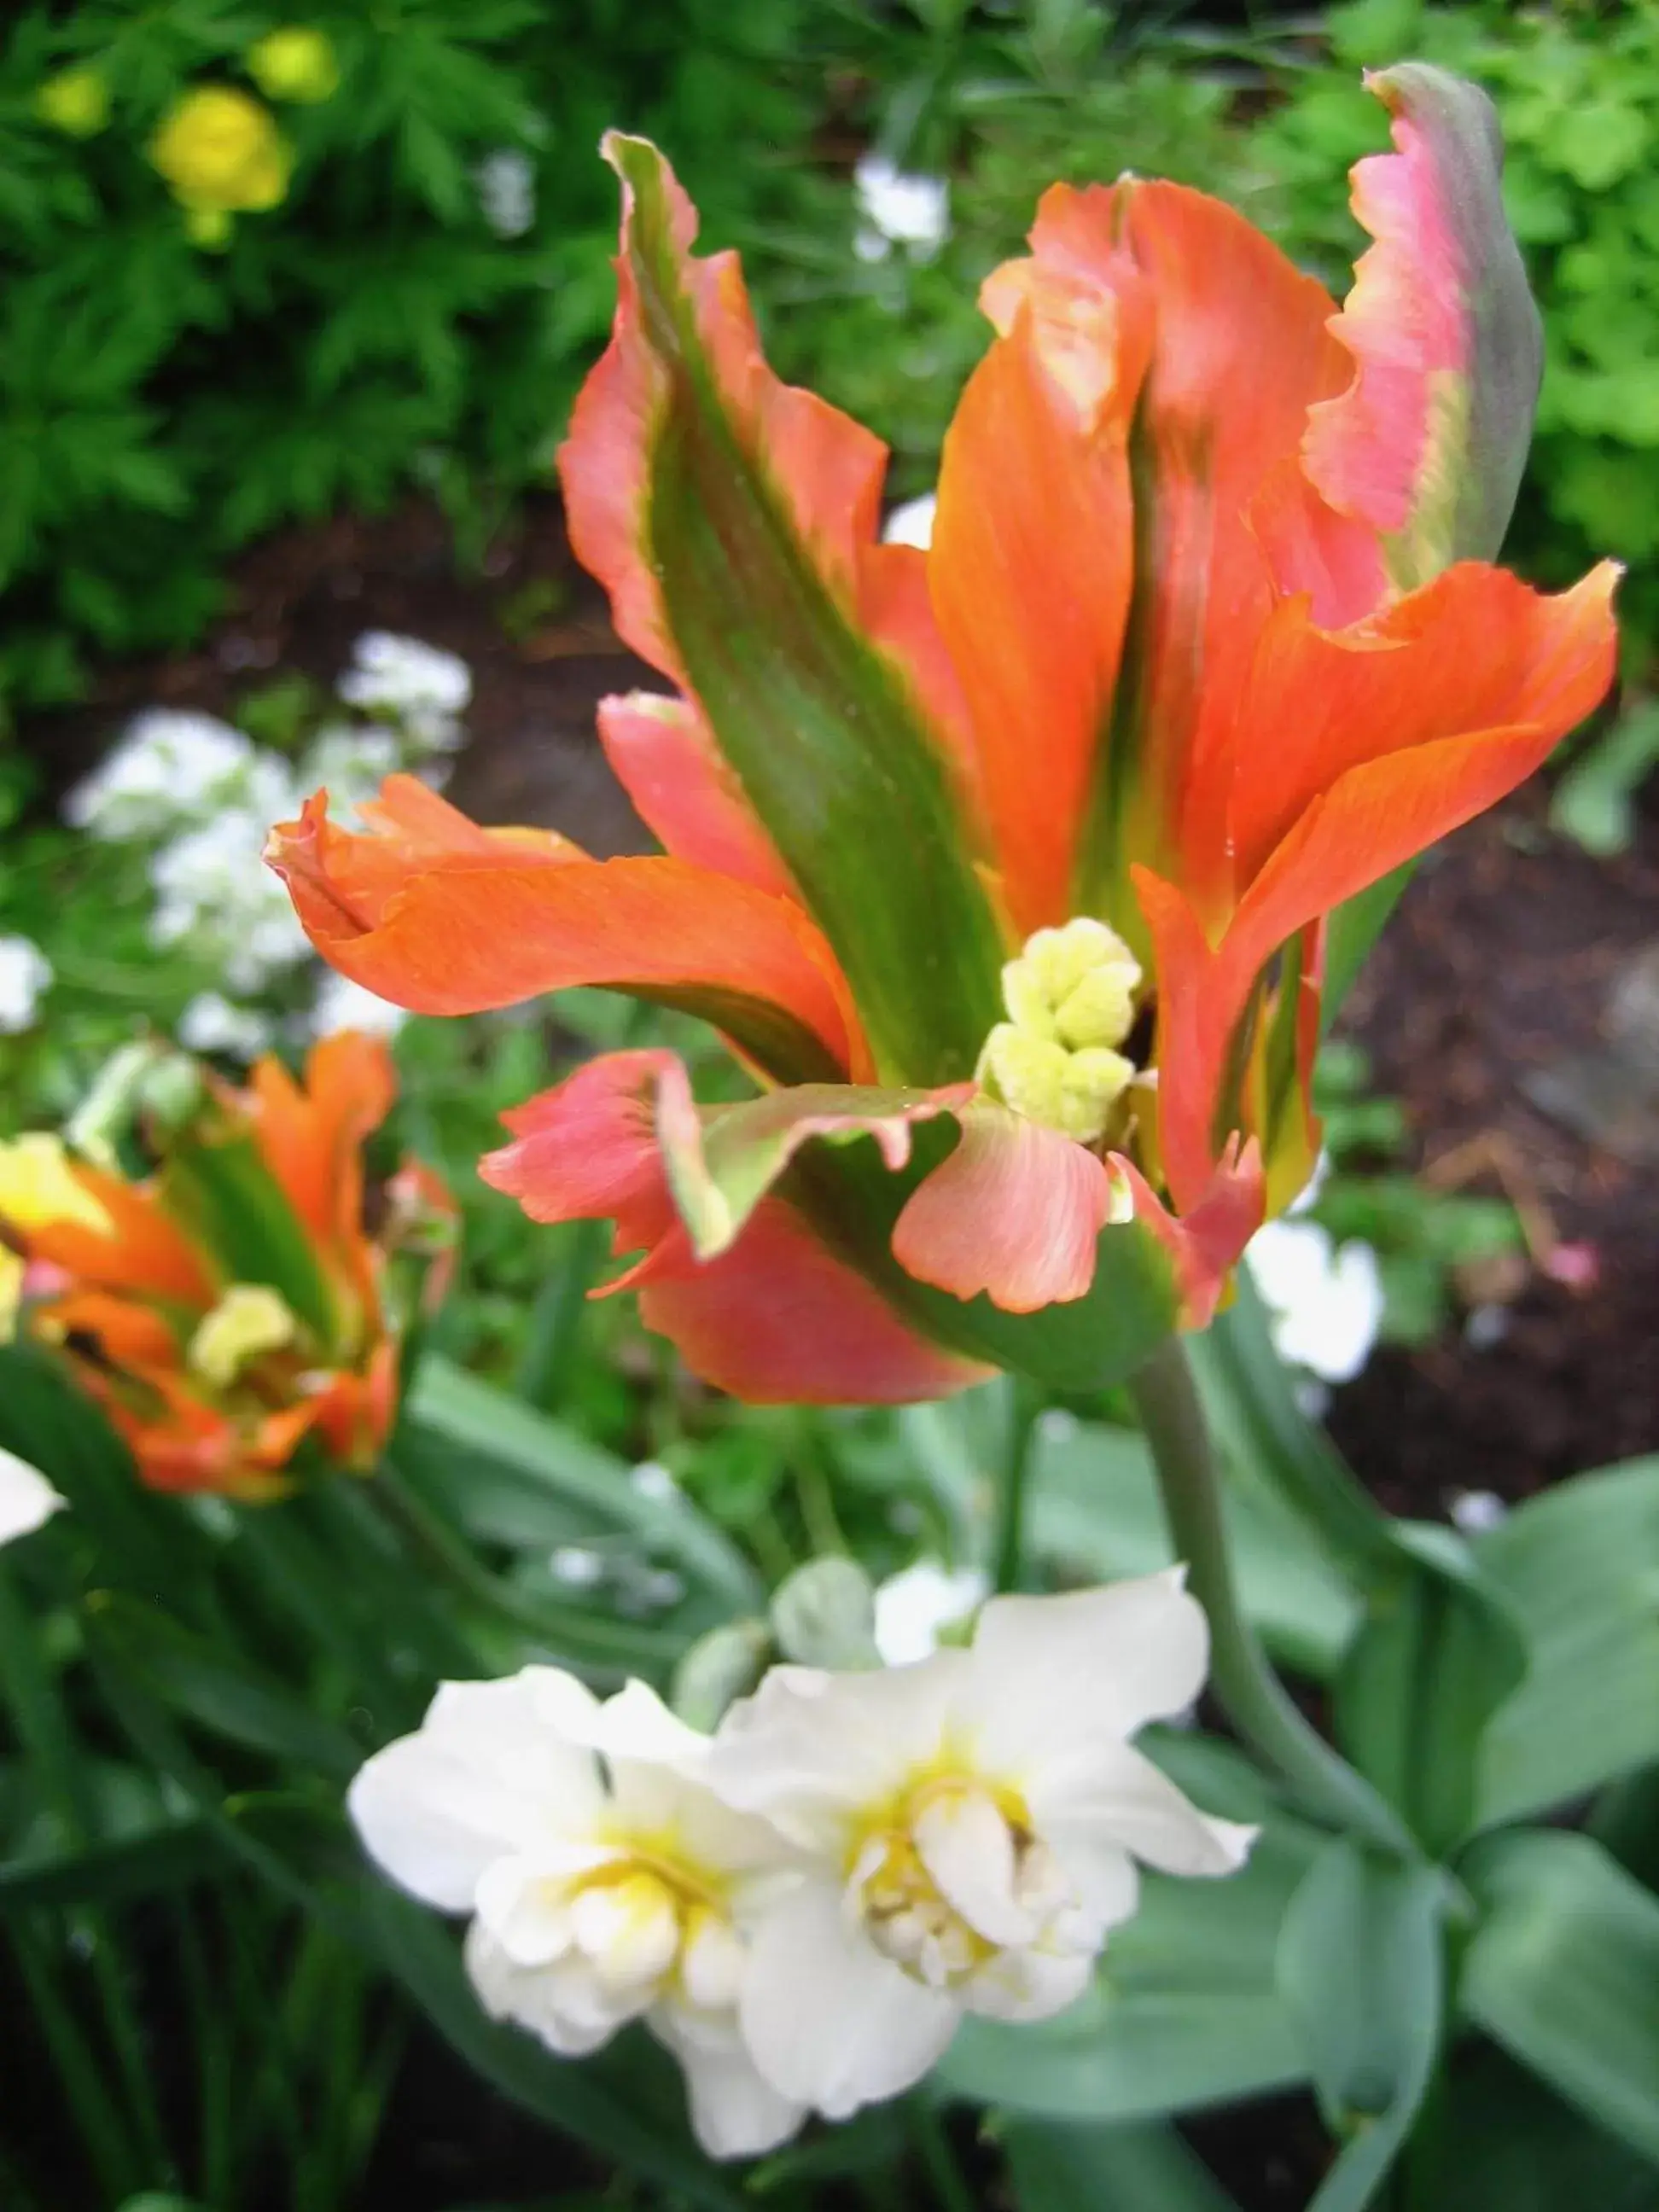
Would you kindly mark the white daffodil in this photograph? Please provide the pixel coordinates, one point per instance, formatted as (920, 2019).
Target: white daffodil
(969, 1827)
(605, 1884)
(26, 1498)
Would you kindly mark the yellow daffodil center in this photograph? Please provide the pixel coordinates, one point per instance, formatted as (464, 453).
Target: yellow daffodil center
(39, 1186)
(249, 1321)
(648, 1918)
(949, 1875)
(1070, 1002)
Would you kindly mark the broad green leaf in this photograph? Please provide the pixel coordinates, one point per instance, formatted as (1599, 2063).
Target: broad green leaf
(822, 734)
(515, 1476)
(1095, 1510)
(165, 1858)
(209, 1684)
(1360, 1971)
(1506, 2144)
(1056, 2168)
(1563, 1972)
(1183, 2012)
(223, 1189)
(1579, 1566)
(1439, 1652)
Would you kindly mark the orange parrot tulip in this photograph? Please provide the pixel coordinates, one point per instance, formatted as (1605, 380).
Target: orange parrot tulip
(1005, 867)
(234, 1306)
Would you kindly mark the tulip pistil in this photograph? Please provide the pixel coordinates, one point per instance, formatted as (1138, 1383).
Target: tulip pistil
(1070, 1002)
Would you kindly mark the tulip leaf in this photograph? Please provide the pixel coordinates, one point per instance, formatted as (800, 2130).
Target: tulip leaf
(1360, 1971)
(823, 733)
(1184, 2011)
(158, 1859)
(514, 1475)
(202, 1680)
(222, 1188)
(1439, 1652)
(1563, 1972)
(1146, 2168)
(1511, 2146)
(1580, 1567)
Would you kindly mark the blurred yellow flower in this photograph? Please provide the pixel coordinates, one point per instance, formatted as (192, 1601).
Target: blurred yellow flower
(221, 154)
(75, 100)
(295, 64)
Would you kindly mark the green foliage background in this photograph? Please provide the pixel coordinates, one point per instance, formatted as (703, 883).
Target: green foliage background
(161, 404)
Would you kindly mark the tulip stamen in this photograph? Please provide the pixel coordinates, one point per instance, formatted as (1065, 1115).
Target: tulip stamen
(1070, 1001)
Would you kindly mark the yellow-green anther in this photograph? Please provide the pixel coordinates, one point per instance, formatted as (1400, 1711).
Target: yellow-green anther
(249, 1321)
(1070, 997)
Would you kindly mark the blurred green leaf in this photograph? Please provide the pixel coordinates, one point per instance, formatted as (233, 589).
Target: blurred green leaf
(1564, 1971)
(1360, 1971)
(1056, 2169)
(1579, 1566)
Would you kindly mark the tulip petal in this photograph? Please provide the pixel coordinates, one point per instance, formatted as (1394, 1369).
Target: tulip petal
(1475, 651)
(1031, 568)
(721, 1166)
(781, 1320)
(775, 1318)
(1428, 442)
(472, 925)
(667, 762)
(1014, 1212)
(311, 1136)
(726, 515)
(1232, 317)
(1206, 1242)
(140, 1250)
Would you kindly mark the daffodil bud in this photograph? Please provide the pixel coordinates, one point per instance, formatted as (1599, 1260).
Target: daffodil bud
(718, 1669)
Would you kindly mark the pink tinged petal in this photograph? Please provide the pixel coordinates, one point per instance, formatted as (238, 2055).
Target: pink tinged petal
(810, 1750)
(665, 757)
(483, 1777)
(1014, 1212)
(780, 1320)
(1031, 1985)
(830, 2023)
(1428, 442)
(964, 1842)
(1206, 1245)
(1113, 1796)
(586, 1151)
(722, 1164)
(1053, 1677)
(735, 2111)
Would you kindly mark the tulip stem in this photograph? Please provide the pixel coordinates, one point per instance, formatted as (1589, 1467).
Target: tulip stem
(1250, 1693)
(1008, 1557)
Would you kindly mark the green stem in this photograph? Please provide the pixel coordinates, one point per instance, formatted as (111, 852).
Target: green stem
(1008, 1555)
(1250, 1693)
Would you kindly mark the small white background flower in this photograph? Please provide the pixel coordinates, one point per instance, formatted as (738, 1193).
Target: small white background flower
(970, 1825)
(1325, 1299)
(899, 207)
(912, 1608)
(605, 1884)
(26, 1498)
(25, 972)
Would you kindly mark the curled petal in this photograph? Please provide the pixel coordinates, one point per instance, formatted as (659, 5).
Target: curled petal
(487, 921)
(1014, 1212)
(1428, 442)
(1205, 1244)
(312, 1134)
(666, 760)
